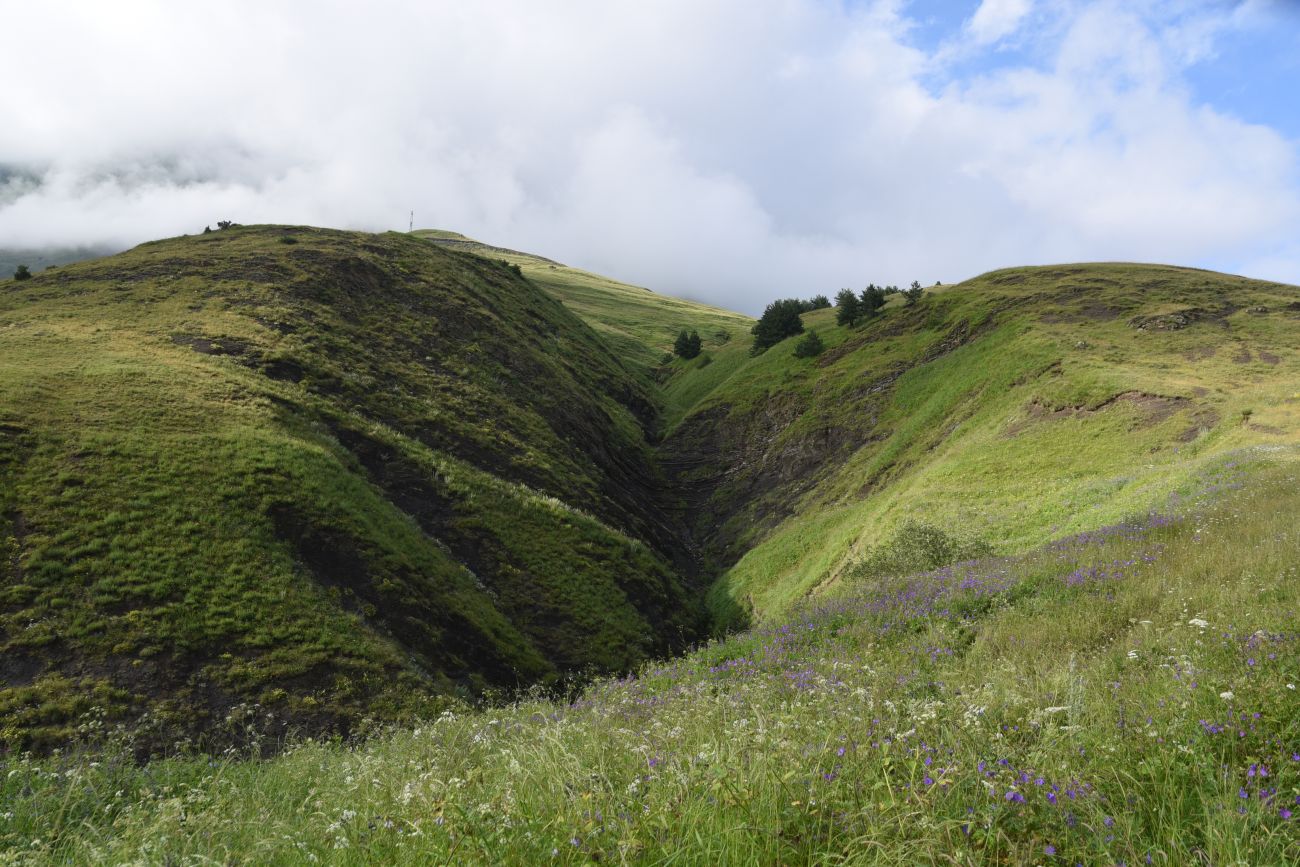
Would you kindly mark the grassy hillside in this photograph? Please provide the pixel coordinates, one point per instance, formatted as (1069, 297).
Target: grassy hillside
(326, 472)
(1125, 696)
(636, 323)
(1016, 565)
(1013, 408)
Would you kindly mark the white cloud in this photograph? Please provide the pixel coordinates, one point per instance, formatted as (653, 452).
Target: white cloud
(728, 150)
(995, 19)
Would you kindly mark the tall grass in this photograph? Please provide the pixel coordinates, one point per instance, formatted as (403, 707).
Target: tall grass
(1125, 696)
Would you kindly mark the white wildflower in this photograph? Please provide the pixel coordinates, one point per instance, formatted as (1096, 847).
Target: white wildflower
(1226, 695)
(1198, 622)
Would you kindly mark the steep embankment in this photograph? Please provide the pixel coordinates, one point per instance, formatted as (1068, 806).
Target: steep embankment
(1015, 407)
(1011, 408)
(324, 471)
(637, 324)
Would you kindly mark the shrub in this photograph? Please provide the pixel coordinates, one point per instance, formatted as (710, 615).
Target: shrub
(288, 239)
(22, 272)
(687, 345)
(809, 347)
(918, 547)
(779, 320)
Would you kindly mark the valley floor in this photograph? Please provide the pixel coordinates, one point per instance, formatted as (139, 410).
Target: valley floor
(1125, 696)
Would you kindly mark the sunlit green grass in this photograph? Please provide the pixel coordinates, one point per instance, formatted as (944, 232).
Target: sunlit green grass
(1117, 697)
(1015, 406)
(479, 464)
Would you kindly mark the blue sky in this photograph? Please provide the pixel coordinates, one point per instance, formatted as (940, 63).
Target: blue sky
(727, 150)
(1250, 65)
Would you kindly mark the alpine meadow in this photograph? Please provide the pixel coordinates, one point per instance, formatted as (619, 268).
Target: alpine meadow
(336, 547)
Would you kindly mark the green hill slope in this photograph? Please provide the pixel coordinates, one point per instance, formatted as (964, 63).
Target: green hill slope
(349, 474)
(323, 471)
(638, 324)
(344, 474)
(1015, 407)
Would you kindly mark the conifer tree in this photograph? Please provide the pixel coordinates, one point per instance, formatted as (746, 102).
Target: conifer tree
(779, 321)
(848, 309)
(873, 298)
(687, 344)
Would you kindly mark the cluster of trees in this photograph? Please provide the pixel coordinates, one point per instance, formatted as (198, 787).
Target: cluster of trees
(781, 320)
(22, 272)
(687, 344)
(221, 224)
(850, 307)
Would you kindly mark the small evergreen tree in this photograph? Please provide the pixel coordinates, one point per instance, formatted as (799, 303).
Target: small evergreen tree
(687, 345)
(873, 298)
(848, 309)
(913, 293)
(819, 302)
(779, 320)
(810, 346)
(22, 272)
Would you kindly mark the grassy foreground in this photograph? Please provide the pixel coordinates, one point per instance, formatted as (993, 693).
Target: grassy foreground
(1124, 696)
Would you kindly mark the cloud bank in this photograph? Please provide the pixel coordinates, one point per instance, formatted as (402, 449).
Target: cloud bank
(732, 151)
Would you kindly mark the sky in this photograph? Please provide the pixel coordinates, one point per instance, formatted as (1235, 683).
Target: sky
(732, 151)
